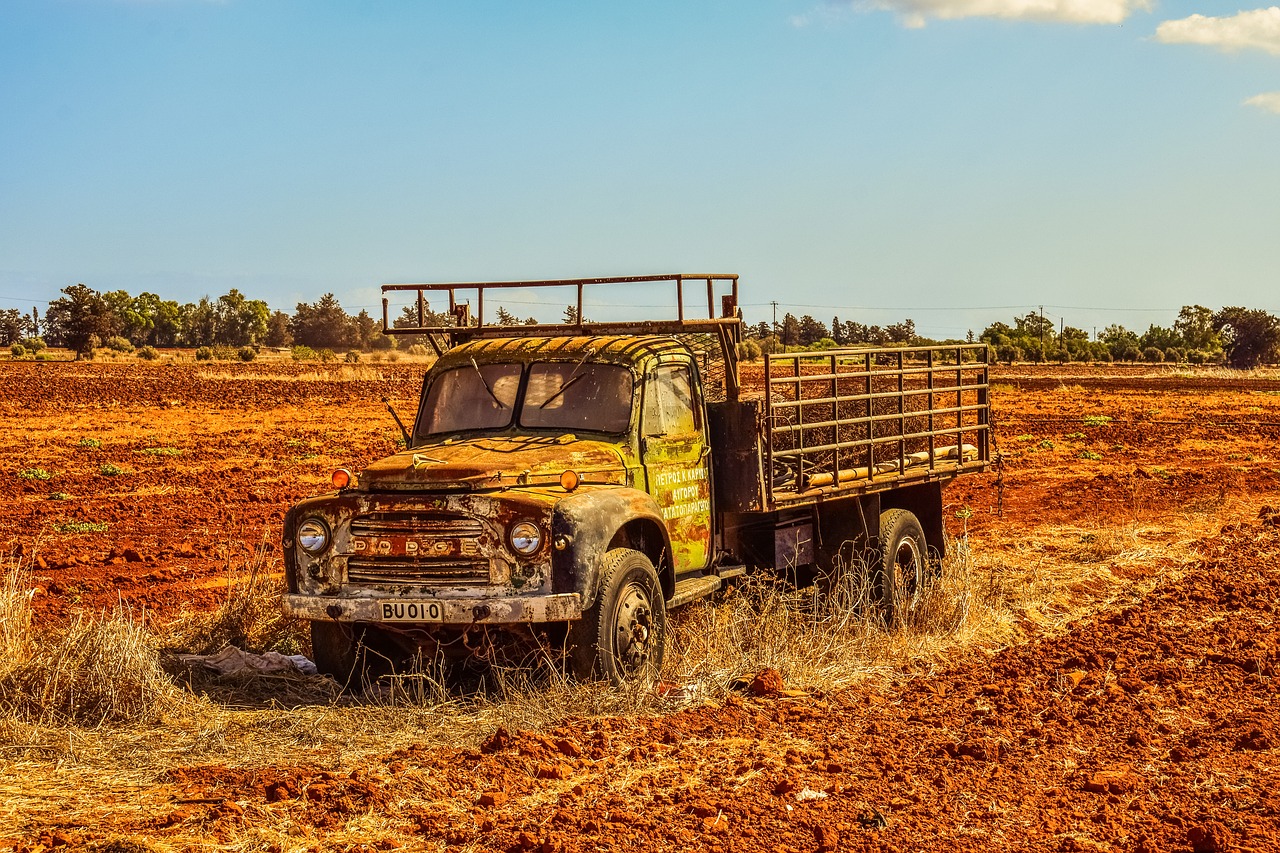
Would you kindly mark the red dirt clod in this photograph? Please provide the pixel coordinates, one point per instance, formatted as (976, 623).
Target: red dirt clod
(827, 837)
(496, 742)
(767, 683)
(1117, 781)
(1209, 837)
(569, 748)
(554, 771)
(490, 799)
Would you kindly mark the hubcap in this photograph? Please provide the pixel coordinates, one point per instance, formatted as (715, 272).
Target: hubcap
(633, 629)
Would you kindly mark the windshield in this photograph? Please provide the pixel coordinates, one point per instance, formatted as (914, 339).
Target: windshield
(564, 396)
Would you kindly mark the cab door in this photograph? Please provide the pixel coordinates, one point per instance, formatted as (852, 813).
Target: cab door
(676, 460)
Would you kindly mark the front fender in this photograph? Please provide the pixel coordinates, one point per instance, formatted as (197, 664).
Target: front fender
(586, 523)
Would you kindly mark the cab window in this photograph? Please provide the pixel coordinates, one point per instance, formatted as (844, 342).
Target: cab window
(471, 397)
(582, 396)
(668, 402)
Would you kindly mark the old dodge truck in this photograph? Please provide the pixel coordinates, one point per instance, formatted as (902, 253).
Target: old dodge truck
(572, 483)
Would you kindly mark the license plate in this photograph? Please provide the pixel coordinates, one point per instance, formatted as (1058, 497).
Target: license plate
(411, 611)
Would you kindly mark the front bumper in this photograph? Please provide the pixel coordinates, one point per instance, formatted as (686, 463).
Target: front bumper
(559, 607)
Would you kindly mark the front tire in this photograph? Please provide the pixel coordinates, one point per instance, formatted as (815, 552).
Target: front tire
(902, 573)
(341, 651)
(622, 636)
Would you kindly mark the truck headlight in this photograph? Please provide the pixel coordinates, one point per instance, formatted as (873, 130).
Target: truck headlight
(525, 538)
(313, 535)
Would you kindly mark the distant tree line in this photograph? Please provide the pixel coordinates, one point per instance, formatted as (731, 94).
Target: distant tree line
(1241, 337)
(84, 319)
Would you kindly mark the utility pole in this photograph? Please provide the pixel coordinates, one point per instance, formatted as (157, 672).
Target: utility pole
(775, 316)
(1041, 328)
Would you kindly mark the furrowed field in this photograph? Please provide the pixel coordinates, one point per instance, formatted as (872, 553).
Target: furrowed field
(1096, 670)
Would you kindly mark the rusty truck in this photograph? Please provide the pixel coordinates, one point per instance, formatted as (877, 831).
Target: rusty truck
(571, 483)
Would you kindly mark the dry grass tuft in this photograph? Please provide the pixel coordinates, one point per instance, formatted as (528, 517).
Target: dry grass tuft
(251, 617)
(100, 670)
(821, 639)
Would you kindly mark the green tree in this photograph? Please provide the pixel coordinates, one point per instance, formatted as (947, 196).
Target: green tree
(365, 330)
(1196, 329)
(199, 322)
(240, 321)
(130, 322)
(811, 330)
(164, 317)
(1160, 338)
(80, 320)
(1074, 344)
(322, 325)
(1250, 336)
(1034, 326)
(278, 334)
(13, 326)
(790, 331)
(1121, 343)
(901, 333)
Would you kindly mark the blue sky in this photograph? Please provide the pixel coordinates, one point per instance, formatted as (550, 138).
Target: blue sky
(952, 161)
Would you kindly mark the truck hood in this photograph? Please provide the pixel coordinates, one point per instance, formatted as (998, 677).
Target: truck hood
(494, 463)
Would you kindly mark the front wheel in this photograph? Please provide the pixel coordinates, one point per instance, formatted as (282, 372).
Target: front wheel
(622, 636)
(342, 651)
(903, 570)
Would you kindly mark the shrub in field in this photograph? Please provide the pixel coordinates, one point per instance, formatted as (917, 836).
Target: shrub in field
(393, 356)
(382, 342)
(352, 357)
(417, 349)
(247, 353)
(148, 353)
(17, 350)
(44, 356)
(326, 356)
(749, 350)
(33, 345)
(1172, 355)
(1153, 355)
(34, 474)
(110, 470)
(204, 354)
(303, 353)
(118, 344)
(90, 443)
(222, 352)
(80, 527)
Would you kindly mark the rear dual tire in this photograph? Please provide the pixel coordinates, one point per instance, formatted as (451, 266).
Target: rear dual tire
(903, 571)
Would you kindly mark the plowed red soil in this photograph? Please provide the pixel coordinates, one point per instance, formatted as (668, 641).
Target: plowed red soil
(1150, 726)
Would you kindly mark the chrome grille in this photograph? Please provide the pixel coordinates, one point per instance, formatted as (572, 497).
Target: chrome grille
(460, 565)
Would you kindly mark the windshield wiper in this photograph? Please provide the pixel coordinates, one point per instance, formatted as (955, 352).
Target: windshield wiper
(574, 377)
(485, 383)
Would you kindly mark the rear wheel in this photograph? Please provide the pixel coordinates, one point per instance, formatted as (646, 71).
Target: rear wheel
(622, 636)
(903, 570)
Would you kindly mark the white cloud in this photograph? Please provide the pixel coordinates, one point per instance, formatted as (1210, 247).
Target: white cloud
(1258, 29)
(915, 13)
(1269, 101)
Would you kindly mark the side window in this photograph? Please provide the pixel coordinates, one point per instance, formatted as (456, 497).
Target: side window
(668, 402)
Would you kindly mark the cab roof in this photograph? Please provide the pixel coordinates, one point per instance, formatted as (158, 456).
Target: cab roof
(614, 349)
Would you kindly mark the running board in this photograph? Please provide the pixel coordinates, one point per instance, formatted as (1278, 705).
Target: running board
(691, 589)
